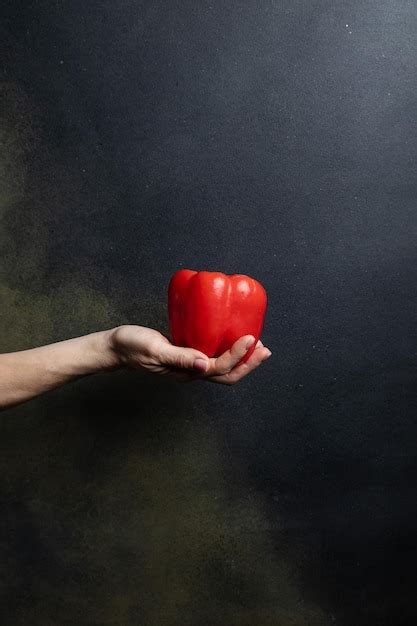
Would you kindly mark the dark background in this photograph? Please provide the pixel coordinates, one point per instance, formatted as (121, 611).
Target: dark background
(271, 138)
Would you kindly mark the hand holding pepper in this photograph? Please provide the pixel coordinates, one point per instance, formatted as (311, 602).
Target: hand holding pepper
(29, 373)
(216, 322)
(139, 347)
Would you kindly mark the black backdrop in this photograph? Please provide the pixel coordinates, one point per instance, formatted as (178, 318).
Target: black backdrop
(270, 138)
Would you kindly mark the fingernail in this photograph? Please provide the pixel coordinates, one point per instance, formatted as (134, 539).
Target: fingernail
(201, 364)
(268, 354)
(250, 343)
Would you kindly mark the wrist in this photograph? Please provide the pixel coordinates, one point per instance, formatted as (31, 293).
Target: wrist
(107, 354)
(125, 342)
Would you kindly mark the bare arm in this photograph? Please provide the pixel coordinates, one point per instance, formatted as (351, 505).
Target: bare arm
(29, 373)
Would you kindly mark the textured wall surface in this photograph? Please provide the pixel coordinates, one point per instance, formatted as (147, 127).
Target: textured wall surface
(271, 138)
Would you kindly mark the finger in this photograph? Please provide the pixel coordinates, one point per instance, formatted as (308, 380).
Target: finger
(227, 361)
(183, 358)
(185, 375)
(259, 355)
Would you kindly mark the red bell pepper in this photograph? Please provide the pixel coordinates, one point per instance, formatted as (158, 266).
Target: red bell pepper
(209, 311)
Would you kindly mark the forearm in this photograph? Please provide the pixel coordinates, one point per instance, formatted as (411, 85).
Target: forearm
(29, 373)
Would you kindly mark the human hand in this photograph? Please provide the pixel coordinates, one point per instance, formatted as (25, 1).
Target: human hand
(139, 347)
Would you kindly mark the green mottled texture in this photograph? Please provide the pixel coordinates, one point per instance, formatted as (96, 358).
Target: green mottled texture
(154, 534)
(118, 505)
(33, 313)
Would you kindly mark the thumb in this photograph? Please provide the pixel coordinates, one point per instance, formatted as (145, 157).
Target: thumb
(186, 358)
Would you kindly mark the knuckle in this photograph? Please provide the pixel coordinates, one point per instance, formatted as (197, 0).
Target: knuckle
(179, 362)
(182, 361)
(153, 348)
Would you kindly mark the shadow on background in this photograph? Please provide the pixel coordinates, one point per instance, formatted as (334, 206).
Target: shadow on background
(120, 505)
